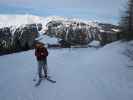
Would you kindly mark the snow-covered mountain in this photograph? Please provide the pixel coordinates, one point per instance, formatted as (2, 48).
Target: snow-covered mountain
(21, 30)
(12, 20)
(80, 74)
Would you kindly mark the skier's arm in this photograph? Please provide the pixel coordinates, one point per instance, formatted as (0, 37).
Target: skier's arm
(35, 52)
(45, 52)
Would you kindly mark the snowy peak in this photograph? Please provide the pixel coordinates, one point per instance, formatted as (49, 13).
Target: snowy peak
(11, 20)
(17, 20)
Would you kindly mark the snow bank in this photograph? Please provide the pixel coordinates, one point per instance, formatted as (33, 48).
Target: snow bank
(95, 43)
(47, 39)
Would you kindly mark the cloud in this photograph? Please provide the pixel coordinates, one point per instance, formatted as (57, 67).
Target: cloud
(108, 9)
(15, 1)
(91, 4)
(78, 3)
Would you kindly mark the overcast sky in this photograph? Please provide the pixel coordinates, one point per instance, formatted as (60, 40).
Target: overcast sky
(108, 10)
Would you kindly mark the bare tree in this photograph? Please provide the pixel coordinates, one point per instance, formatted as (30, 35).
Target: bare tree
(126, 22)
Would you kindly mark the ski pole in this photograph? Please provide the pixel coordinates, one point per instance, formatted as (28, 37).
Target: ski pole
(35, 77)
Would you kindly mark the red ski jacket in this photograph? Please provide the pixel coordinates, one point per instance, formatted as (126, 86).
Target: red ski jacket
(41, 53)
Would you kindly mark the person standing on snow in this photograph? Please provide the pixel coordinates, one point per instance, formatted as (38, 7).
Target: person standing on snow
(41, 54)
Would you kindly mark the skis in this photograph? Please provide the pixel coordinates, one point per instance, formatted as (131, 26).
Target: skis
(50, 80)
(40, 80)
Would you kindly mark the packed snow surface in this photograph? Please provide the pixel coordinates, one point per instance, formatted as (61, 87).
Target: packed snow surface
(80, 74)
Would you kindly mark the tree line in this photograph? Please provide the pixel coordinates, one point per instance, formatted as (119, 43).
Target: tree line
(126, 22)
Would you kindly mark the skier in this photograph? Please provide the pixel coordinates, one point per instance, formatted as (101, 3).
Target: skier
(41, 54)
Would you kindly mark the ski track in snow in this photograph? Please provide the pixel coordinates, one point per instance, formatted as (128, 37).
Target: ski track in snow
(80, 74)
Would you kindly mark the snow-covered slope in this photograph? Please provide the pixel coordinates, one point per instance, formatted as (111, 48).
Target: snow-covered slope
(81, 74)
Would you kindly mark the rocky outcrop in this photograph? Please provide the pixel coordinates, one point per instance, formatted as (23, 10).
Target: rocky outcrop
(108, 33)
(5, 38)
(81, 33)
(16, 38)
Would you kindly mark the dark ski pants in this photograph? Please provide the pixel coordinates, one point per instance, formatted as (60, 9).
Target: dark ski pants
(42, 65)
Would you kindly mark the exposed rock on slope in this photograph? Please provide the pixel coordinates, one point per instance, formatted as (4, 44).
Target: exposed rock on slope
(18, 37)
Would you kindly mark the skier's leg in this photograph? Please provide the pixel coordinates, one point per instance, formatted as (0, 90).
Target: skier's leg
(45, 70)
(45, 67)
(40, 69)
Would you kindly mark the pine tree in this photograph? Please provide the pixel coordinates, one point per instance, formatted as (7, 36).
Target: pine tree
(126, 22)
